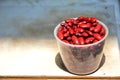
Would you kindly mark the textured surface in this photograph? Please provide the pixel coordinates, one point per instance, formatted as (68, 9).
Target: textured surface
(28, 46)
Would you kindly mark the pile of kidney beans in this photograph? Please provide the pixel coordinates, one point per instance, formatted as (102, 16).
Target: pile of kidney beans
(80, 31)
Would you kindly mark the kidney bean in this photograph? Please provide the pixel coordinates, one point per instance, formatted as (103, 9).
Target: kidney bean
(93, 20)
(97, 36)
(90, 33)
(65, 30)
(75, 22)
(81, 40)
(75, 39)
(95, 23)
(69, 38)
(91, 28)
(79, 30)
(84, 25)
(66, 34)
(78, 34)
(60, 29)
(62, 24)
(70, 23)
(89, 40)
(80, 18)
(71, 31)
(84, 34)
(97, 28)
(60, 35)
(102, 32)
(67, 20)
(88, 19)
(95, 40)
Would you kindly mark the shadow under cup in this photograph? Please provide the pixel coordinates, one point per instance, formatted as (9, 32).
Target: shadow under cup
(81, 59)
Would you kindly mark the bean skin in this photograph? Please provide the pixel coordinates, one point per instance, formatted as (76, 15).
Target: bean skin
(93, 20)
(84, 34)
(89, 40)
(97, 36)
(66, 34)
(60, 35)
(69, 38)
(95, 40)
(84, 25)
(71, 31)
(97, 28)
(102, 31)
(90, 33)
(91, 28)
(81, 40)
(75, 39)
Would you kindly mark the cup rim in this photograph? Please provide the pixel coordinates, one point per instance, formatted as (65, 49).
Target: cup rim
(85, 45)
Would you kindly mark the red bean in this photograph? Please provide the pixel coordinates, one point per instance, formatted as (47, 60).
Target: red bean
(78, 34)
(67, 20)
(79, 30)
(102, 32)
(84, 34)
(97, 36)
(62, 24)
(90, 33)
(75, 22)
(95, 40)
(71, 31)
(89, 40)
(70, 23)
(94, 24)
(64, 30)
(97, 28)
(80, 18)
(60, 28)
(75, 39)
(66, 34)
(81, 40)
(88, 19)
(60, 35)
(85, 25)
(91, 28)
(93, 20)
(69, 38)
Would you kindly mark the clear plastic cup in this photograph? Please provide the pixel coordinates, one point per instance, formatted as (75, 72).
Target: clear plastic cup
(81, 59)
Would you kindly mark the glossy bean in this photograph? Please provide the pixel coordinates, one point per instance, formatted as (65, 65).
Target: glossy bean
(85, 25)
(90, 33)
(95, 40)
(93, 20)
(97, 28)
(69, 38)
(97, 36)
(81, 40)
(89, 40)
(70, 23)
(71, 31)
(75, 39)
(66, 34)
(80, 18)
(84, 34)
(91, 28)
(60, 35)
(102, 32)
